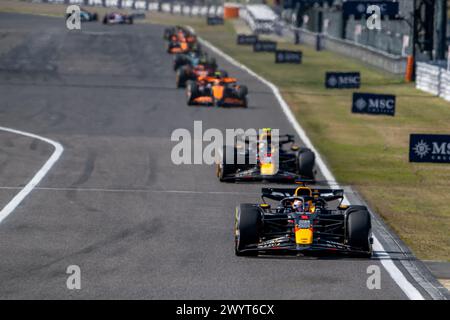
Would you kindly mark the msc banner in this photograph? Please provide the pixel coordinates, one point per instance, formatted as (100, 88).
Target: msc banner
(342, 80)
(246, 39)
(429, 148)
(286, 56)
(212, 21)
(373, 103)
(359, 8)
(265, 46)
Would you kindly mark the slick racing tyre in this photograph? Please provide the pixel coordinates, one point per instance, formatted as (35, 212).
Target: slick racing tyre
(242, 92)
(182, 77)
(248, 224)
(359, 226)
(305, 163)
(244, 103)
(168, 32)
(225, 169)
(179, 61)
(191, 92)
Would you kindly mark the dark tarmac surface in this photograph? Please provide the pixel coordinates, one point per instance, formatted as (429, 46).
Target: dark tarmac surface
(138, 226)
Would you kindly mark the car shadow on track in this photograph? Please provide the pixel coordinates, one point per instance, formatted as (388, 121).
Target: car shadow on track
(378, 256)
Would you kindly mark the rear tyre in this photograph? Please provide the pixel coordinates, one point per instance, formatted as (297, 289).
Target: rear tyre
(225, 168)
(191, 92)
(168, 32)
(181, 77)
(248, 224)
(179, 61)
(242, 92)
(359, 226)
(95, 17)
(244, 102)
(305, 163)
(105, 20)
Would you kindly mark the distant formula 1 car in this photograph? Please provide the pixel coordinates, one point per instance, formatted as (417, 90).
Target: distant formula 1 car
(179, 33)
(294, 163)
(219, 90)
(86, 16)
(192, 59)
(182, 46)
(117, 18)
(206, 67)
(180, 40)
(305, 220)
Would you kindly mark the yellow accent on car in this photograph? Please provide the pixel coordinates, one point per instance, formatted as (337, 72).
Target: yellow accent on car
(303, 236)
(267, 169)
(299, 192)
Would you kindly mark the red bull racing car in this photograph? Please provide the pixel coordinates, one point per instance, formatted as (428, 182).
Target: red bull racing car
(303, 220)
(273, 161)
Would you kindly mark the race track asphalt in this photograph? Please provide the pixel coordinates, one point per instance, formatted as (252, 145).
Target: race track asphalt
(114, 204)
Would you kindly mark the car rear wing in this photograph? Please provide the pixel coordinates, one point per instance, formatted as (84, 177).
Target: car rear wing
(279, 194)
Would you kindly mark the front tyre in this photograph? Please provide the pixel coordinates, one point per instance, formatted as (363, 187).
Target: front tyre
(359, 229)
(182, 77)
(191, 92)
(225, 169)
(305, 163)
(248, 223)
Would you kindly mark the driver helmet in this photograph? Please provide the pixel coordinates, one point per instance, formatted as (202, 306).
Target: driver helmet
(297, 205)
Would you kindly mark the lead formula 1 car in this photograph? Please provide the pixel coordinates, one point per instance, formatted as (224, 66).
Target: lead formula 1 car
(305, 220)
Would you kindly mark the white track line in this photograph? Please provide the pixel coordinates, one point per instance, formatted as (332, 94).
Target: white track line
(410, 291)
(133, 190)
(6, 211)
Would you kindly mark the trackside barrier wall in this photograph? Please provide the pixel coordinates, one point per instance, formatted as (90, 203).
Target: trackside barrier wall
(388, 62)
(433, 79)
(260, 18)
(180, 8)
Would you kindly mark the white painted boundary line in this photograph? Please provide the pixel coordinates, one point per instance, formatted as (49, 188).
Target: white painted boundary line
(410, 291)
(6, 211)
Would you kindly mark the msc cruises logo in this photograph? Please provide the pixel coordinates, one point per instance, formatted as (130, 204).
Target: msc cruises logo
(429, 148)
(370, 103)
(342, 80)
